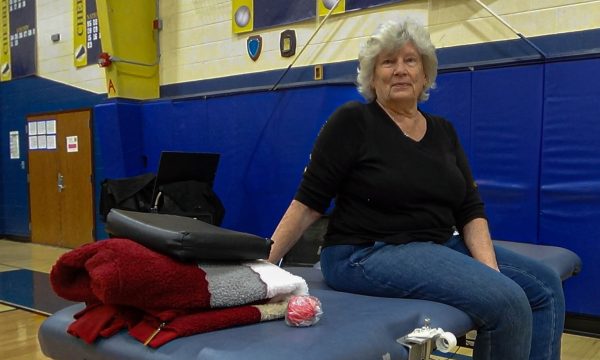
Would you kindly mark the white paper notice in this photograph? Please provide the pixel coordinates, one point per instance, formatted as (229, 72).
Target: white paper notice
(41, 128)
(33, 142)
(41, 141)
(32, 128)
(51, 142)
(15, 153)
(72, 145)
(51, 127)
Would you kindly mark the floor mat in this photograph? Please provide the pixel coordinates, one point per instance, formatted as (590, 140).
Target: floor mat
(30, 290)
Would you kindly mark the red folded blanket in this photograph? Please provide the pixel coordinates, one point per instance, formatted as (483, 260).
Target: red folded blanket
(154, 333)
(123, 282)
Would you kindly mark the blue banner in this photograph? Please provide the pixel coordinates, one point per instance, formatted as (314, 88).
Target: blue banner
(22, 37)
(251, 15)
(86, 33)
(269, 13)
(92, 32)
(363, 4)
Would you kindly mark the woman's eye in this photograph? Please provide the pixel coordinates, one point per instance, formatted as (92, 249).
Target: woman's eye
(411, 61)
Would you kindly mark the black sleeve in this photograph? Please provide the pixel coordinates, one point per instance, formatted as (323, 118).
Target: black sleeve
(333, 155)
(472, 206)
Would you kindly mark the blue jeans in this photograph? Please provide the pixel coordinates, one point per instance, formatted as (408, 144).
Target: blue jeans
(519, 313)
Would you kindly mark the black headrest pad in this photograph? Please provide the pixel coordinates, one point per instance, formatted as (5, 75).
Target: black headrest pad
(184, 238)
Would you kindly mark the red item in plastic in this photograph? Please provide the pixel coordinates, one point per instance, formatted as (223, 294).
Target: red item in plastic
(303, 310)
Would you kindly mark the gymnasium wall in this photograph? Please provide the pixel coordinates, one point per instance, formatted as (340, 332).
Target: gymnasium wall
(55, 59)
(459, 22)
(58, 86)
(18, 99)
(197, 42)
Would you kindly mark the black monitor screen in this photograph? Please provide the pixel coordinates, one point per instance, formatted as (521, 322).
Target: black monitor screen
(182, 166)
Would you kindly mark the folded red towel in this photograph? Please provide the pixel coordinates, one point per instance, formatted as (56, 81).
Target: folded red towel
(123, 272)
(121, 280)
(152, 332)
(103, 320)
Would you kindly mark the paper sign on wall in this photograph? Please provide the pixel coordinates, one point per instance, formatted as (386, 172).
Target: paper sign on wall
(14, 145)
(32, 128)
(33, 142)
(72, 145)
(51, 142)
(41, 128)
(51, 127)
(41, 141)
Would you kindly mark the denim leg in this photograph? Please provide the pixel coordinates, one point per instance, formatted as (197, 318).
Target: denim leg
(423, 270)
(546, 298)
(544, 291)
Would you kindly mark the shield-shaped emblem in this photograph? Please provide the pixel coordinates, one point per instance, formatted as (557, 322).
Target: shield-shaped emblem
(254, 46)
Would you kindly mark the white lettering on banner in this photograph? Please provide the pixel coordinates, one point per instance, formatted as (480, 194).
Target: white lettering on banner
(80, 18)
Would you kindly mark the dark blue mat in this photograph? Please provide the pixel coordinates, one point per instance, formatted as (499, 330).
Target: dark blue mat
(30, 290)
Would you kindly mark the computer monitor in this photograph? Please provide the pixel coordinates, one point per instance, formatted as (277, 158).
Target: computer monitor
(182, 166)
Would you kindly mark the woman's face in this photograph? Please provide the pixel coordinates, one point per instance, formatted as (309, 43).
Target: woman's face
(399, 75)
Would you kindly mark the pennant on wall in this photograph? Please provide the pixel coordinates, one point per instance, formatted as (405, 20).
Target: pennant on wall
(18, 39)
(86, 33)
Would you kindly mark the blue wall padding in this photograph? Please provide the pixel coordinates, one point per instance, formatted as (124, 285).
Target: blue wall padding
(264, 139)
(530, 133)
(231, 129)
(506, 131)
(451, 99)
(119, 128)
(18, 99)
(570, 174)
(282, 152)
(118, 146)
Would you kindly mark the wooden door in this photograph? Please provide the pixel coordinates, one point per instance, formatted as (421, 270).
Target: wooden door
(60, 178)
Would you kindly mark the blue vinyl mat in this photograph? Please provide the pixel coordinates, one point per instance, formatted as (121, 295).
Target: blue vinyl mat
(30, 290)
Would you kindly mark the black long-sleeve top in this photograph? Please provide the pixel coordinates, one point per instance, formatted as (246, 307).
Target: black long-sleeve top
(388, 187)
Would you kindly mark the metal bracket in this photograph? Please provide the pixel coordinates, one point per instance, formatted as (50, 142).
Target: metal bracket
(420, 351)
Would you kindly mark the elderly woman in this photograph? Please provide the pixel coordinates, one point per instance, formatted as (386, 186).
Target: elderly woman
(402, 187)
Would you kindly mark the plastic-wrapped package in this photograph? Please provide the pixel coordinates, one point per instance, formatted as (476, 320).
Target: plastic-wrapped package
(303, 310)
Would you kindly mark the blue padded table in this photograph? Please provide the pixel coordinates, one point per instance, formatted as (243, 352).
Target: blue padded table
(565, 262)
(352, 326)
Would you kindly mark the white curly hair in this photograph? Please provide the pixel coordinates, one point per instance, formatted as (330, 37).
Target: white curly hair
(390, 36)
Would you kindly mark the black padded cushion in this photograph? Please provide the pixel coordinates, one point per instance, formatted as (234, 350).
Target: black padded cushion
(184, 238)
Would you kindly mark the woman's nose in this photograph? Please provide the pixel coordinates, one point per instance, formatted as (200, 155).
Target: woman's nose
(400, 68)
